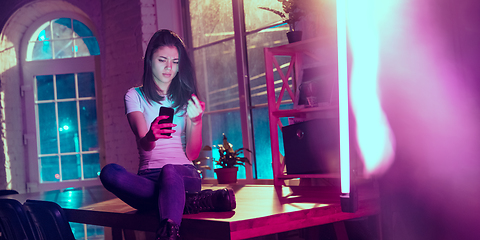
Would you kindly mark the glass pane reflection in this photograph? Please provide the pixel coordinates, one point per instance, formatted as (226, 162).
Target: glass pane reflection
(48, 128)
(88, 121)
(65, 86)
(45, 87)
(91, 165)
(210, 20)
(49, 169)
(81, 29)
(87, 46)
(62, 28)
(86, 84)
(71, 167)
(68, 127)
(217, 75)
(256, 18)
(63, 48)
(42, 50)
(45, 33)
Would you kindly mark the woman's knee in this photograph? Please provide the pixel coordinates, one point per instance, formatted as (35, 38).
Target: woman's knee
(169, 172)
(168, 167)
(110, 173)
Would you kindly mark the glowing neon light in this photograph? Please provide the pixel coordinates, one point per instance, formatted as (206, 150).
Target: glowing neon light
(343, 97)
(373, 131)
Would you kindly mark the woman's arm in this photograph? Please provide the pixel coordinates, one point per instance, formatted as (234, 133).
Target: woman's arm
(195, 110)
(146, 137)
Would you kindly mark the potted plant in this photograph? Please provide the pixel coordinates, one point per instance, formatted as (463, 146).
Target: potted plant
(291, 14)
(229, 160)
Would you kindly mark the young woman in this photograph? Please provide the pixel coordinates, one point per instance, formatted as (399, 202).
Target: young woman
(166, 179)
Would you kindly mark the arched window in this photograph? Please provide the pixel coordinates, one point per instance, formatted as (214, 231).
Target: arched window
(59, 86)
(62, 38)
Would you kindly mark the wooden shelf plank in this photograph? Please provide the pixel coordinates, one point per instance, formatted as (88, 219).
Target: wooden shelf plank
(327, 175)
(299, 112)
(304, 45)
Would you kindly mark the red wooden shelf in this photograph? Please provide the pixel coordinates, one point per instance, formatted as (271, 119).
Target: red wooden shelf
(297, 51)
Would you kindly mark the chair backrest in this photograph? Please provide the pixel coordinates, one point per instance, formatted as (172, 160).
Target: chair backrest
(50, 220)
(14, 223)
(4, 192)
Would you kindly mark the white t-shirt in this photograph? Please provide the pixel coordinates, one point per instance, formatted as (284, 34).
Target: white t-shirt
(166, 151)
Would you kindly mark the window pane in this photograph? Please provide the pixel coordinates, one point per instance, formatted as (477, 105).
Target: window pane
(42, 50)
(91, 165)
(210, 21)
(87, 46)
(261, 128)
(48, 128)
(65, 86)
(86, 84)
(217, 75)
(256, 64)
(62, 28)
(256, 18)
(49, 169)
(63, 48)
(262, 141)
(80, 29)
(71, 167)
(228, 123)
(44, 33)
(68, 127)
(88, 121)
(45, 87)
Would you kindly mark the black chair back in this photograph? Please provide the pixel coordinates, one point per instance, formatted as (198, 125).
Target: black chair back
(4, 192)
(50, 219)
(14, 223)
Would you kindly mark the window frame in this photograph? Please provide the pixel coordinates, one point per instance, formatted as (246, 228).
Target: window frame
(29, 69)
(243, 79)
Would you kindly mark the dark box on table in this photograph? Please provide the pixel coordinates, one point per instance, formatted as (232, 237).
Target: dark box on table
(312, 147)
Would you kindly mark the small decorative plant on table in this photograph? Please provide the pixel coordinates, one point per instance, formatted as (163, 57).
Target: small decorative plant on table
(291, 14)
(229, 160)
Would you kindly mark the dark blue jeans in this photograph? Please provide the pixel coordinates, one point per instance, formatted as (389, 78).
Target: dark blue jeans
(162, 188)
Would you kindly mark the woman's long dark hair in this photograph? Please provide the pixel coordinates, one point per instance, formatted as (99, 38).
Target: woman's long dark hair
(183, 84)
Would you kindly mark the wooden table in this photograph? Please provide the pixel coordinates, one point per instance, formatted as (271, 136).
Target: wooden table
(261, 210)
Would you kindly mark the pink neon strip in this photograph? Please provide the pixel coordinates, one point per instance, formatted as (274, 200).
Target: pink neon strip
(343, 97)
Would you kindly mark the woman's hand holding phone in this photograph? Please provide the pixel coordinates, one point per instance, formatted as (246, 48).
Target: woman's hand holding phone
(162, 126)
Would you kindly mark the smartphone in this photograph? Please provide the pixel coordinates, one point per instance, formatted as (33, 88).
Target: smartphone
(166, 111)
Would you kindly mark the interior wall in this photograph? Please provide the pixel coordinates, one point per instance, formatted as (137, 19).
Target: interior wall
(122, 69)
(169, 17)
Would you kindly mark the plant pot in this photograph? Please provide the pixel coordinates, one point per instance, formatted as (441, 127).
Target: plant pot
(294, 36)
(226, 175)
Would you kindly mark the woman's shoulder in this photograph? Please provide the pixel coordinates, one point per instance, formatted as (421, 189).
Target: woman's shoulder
(134, 91)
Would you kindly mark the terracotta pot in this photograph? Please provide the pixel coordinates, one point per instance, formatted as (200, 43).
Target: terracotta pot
(294, 36)
(226, 175)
